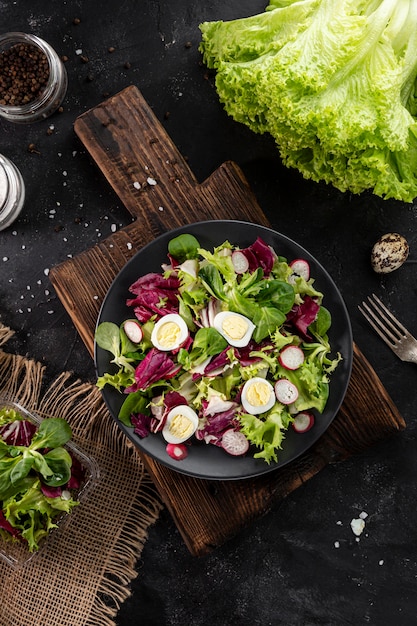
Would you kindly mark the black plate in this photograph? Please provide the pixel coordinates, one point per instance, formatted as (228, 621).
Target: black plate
(208, 461)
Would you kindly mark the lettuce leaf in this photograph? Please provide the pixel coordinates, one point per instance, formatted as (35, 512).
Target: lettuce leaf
(333, 82)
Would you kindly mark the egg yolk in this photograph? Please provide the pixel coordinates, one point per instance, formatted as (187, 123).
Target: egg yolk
(235, 327)
(258, 394)
(181, 427)
(169, 334)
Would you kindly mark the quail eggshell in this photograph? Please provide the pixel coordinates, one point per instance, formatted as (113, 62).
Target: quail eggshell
(389, 253)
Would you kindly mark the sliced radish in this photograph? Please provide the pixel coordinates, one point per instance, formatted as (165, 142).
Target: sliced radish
(133, 331)
(300, 267)
(285, 391)
(234, 442)
(240, 262)
(177, 451)
(303, 422)
(291, 357)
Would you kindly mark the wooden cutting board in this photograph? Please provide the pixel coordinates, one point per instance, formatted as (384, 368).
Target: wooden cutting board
(154, 182)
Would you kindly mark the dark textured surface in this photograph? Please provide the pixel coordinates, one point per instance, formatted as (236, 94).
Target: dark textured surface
(301, 564)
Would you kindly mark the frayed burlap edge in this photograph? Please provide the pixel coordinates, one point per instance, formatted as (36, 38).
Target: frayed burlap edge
(82, 406)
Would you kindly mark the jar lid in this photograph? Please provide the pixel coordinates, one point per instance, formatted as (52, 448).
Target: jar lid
(4, 187)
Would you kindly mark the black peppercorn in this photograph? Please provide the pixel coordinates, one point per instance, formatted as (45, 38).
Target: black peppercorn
(24, 72)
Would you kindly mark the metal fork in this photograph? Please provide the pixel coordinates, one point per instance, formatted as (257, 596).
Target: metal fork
(395, 335)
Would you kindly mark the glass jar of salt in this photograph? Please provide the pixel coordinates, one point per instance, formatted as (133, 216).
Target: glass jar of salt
(12, 192)
(33, 79)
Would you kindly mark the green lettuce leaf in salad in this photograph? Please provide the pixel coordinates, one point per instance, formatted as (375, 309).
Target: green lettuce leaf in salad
(205, 370)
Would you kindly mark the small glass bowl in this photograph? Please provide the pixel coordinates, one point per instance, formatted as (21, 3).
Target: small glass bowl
(12, 192)
(50, 96)
(16, 553)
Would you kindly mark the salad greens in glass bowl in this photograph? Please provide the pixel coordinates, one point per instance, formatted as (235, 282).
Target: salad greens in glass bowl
(223, 350)
(43, 477)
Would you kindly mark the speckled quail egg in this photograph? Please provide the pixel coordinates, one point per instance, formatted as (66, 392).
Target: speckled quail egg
(234, 327)
(389, 253)
(180, 425)
(169, 333)
(258, 396)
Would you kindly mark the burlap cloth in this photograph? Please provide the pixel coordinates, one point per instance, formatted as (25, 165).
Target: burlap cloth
(83, 575)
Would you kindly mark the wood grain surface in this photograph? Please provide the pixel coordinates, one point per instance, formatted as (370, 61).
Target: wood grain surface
(149, 175)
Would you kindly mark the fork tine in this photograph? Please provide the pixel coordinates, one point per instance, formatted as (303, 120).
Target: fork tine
(376, 325)
(389, 318)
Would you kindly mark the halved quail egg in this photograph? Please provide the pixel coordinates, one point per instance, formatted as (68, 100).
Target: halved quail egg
(234, 327)
(180, 425)
(169, 333)
(258, 396)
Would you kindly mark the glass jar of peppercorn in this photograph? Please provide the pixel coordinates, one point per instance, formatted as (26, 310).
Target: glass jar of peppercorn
(33, 80)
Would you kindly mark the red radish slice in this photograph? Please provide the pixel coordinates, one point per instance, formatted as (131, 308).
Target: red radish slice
(303, 422)
(240, 262)
(291, 357)
(300, 267)
(133, 331)
(177, 451)
(234, 442)
(285, 391)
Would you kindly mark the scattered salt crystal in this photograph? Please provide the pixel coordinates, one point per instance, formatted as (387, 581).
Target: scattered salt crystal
(160, 208)
(357, 526)
(51, 127)
(336, 544)
(339, 523)
(95, 297)
(113, 228)
(381, 562)
(74, 152)
(46, 292)
(58, 203)
(23, 247)
(5, 258)
(78, 51)
(29, 310)
(129, 245)
(136, 185)
(39, 282)
(46, 271)
(151, 181)
(363, 515)
(28, 287)
(14, 233)
(50, 312)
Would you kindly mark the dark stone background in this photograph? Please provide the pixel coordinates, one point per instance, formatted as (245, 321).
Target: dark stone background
(300, 564)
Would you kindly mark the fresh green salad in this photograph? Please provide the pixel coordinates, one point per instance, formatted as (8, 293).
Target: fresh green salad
(37, 476)
(227, 347)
